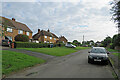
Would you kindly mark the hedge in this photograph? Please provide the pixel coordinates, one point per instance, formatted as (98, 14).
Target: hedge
(22, 38)
(35, 45)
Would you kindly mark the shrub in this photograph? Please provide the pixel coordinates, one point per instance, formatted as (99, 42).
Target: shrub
(34, 45)
(22, 38)
(111, 46)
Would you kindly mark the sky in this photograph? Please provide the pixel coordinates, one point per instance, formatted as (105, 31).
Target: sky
(69, 18)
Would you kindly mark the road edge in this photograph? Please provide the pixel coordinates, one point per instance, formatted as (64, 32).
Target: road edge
(113, 68)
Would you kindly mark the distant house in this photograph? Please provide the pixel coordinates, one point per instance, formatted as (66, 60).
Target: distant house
(62, 39)
(14, 28)
(45, 36)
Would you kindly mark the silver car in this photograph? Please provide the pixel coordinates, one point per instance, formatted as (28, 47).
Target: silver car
(70, 46)
(98, 54)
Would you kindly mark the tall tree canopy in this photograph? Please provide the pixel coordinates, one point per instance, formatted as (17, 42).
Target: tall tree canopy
(116, 12)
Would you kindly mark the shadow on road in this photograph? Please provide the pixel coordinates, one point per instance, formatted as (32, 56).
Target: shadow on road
(98, 63)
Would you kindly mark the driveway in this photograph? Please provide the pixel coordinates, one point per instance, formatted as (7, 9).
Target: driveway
(71, 66)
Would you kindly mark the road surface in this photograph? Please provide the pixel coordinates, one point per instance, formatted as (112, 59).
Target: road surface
(74, 65)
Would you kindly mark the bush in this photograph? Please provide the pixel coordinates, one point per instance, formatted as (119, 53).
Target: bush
(116, 40)
(22, 38)
(34, 45)
(111, 46)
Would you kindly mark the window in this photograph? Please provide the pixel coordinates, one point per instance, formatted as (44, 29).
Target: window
(9, 37)
(20, 32)
(9, 29)
(54, 38)
(44, 41)
(27, 33)
(45, 36)
(50, 37)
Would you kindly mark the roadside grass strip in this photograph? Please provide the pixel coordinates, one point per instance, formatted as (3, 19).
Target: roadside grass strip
(56, 51)
(111, 50)
(117, 54)
(111, 60)
(14, 61)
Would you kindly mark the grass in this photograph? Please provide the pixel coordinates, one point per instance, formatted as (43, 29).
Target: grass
(117, 54)
(111, 50)
(111, 61)
(14, 61)
(56, 51)
(80, 48)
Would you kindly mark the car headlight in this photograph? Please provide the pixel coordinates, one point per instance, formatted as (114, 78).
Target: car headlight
(105, 57)
(90, 57)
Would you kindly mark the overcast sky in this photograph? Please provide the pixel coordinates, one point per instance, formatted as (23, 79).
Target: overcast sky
(71, 19)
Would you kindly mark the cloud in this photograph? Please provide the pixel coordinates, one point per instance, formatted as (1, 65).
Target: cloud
(71, 19)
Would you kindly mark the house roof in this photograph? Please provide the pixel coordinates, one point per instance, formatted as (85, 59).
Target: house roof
(62, 37)
(14, 24)
(44, 33)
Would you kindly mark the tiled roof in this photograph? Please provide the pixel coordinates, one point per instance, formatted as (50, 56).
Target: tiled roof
(44, 33)
(62, 37)
(14, 24)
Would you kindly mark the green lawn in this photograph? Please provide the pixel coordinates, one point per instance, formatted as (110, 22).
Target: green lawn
(14, 61)
(111, 50)
(56, 51)
(79, 48)
(117, 54)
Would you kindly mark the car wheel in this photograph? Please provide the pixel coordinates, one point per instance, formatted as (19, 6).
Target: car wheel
(89, 61)
(106, 62)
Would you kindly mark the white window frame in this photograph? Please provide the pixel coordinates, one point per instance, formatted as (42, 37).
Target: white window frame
(54, 38)
(50, 37)
(20, 31)
(27, 33)
(9, 29)
(45, 41)
(45, 36)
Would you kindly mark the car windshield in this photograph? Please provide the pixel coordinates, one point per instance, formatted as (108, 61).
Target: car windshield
(94, 50)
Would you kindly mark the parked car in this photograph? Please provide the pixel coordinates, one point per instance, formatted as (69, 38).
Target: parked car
(98, 54)
(70, 45)
(6, 42)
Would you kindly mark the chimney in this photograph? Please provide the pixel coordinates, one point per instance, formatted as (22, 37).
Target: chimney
(39, 31)
(13, 19)
(48, 30)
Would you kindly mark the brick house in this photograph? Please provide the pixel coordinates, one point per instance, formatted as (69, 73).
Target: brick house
(14, 28)
(62, 39)
(45, 36)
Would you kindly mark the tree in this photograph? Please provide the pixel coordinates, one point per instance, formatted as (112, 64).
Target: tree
(4, 25)
(75, 42)
(22, 38)
(107, 41)
(116, 40)
(116, 12)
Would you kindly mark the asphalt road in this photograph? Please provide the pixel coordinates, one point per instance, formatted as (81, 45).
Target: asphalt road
(71, 66)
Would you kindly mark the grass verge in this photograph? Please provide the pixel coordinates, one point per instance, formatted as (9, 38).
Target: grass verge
(14, 61)
(111, 61)
(111, 50)
(56, 51)
(117, 54)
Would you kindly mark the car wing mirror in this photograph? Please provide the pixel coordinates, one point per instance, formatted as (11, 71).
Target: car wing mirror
(108, 52)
